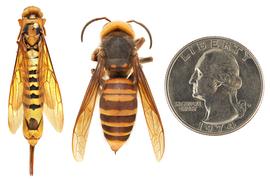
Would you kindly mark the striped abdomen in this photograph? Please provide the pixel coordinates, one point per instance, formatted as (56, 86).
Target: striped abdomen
(118, 107)
(32, 98)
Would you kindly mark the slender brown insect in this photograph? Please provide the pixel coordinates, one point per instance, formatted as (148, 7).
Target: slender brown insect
(34, 87)
(117, 77)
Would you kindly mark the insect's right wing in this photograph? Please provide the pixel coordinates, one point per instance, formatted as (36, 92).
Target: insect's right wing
(52, 106)
(15, 107)
(80, 131)
(152, 117)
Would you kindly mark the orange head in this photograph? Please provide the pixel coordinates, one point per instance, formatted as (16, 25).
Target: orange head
(32, 17)
(112, 26)
(117, 25)
(32, 10)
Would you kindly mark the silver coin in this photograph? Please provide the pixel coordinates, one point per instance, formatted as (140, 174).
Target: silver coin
(214, 85)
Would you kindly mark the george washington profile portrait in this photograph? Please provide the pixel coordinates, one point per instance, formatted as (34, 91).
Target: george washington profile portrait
(215, 81)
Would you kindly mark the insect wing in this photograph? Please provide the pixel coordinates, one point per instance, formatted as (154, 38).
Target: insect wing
(150, 111)
(53, 106)
(15, 107)
(81, 128)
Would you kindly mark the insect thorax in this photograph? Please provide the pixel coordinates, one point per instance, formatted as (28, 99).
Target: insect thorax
(118, 47)
(32, 34)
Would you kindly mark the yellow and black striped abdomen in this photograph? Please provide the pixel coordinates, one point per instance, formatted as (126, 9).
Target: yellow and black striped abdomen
(118, 107)
(32, 99)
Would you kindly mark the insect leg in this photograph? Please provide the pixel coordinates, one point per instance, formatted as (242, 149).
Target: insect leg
(146, 59)
(94, 56)
(139, 42)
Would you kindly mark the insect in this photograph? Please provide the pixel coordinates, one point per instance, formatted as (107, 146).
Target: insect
(34, 87)
(117, 78)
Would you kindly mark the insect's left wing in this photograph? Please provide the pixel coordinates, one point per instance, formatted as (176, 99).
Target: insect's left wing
(15, 107)
(150, 111)
(53, 106)
(81, 128)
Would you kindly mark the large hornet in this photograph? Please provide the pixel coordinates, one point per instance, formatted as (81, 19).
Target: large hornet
(34, 87)
(117, 77)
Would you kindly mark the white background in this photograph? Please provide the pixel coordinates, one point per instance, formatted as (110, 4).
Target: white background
(242, 154)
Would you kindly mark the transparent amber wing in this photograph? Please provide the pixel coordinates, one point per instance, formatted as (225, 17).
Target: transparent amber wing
(81, 128)
(53, 106)
(150, 111)
(15, 107)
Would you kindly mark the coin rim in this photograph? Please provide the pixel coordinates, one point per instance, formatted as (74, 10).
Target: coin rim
(174, 59)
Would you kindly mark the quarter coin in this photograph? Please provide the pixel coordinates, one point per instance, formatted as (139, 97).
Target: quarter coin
(214, 85)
